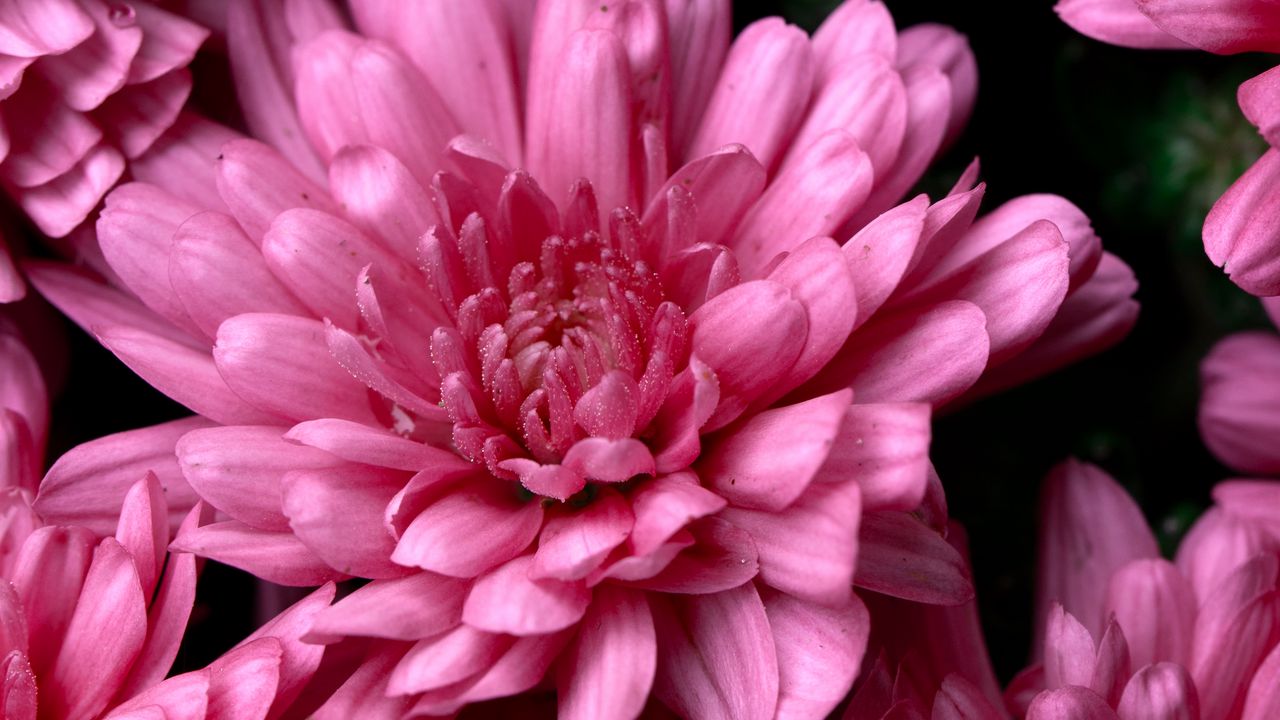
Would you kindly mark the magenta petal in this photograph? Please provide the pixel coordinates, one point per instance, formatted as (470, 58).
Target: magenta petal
(749, 336)
(1089, 528)
(277, 557)
(1070, 703)
(761, 94)
(442, 537)
(508, 600)
(930, 355)
(364, 693)
(104, 636)
(1157, 609)
(91, 71)
(408, 608)
(884, 447)
(1240, 402)
(87, 485)
(280, 363)
(767, 462)
(1118, 22)
(573, 544)
(240, 469)
(1242, 230)
(960, 699)
(1163, 691)
(718, 655)
(338, 513)
(1226, 27)
(609, 669)
(899, 556)
(819, 649)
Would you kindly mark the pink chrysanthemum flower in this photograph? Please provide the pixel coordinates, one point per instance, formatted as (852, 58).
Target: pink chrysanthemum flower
(1242, 231)
(91, 626)
(1128, 634)
(533, 317)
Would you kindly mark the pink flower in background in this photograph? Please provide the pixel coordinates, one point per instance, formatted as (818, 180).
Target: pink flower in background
(597, 344)
(92, 626)
(1242, 231)
(24, 422)
(1129, 634)
(1240, 399)
(84, 84)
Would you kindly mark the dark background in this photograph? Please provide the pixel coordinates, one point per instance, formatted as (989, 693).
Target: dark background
(1143, 141)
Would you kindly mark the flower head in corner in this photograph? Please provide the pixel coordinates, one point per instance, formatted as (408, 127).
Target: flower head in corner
(596, 343)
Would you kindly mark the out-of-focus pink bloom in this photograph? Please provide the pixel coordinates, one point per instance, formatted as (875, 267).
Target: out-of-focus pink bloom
(1240, 401)
(1197, 638)
(92, 626)
(1242, 231)
(540, 326)
(24, 413)
(84, 85)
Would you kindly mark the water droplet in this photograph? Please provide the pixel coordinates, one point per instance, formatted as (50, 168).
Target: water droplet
(122, 15)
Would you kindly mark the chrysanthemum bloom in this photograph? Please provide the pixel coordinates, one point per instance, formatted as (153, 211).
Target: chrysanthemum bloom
(1242, 232)
(1128, 634)
(1240, 399)
(91, 626)
(581, 419)
(84, 84)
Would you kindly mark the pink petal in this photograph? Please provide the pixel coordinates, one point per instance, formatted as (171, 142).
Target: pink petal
(818, 276)
(585, 130)
(338, 512)
(1118, 22)
(1253, 500)
(1242, 229)
(819, 649)
(257, 183)
(767, 462)
(44, 138)
(381, 196)
(257, 47)
(1228, 27)
(810, 549)
(61, 204)
(815, 192)
(240, 470)
(442, 537)
(103, 638)
(573, 544)
(169, 42)
(719, 658)
(699, 34)
(899, 556)
(135, 231)
(183, 161)
(299, 660)
(184, 695)
(878, 255)
(865, 97)
(1218, 544)
(761, 94)
(1240, 402)
(723, 185)
(1069, 652)
(1156, 608)
(852, 29)
(522, 667)
(690, 402)
(712, 556)
(48, 575)
(885, 449)
(1089, 528)
(144, 530)
(280, 363)
(1163, 691)
(1260, 100)
(364, 693)
(242, 683)
(36, 27)
(277, 557)
(138, 115)
(449, 658)
(749, 336)
(91, 71)
(1094, 317)
(929, 46)
(508, 600)
(665, 505)
(216, 272)
(408, 608)
(87, 485)
(188, 376)
(609, 669)
(22, 388)
(1263, 698)
(929, 355)
(959, 699)
(369, 445)
(464, 52)
(1070, 703)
